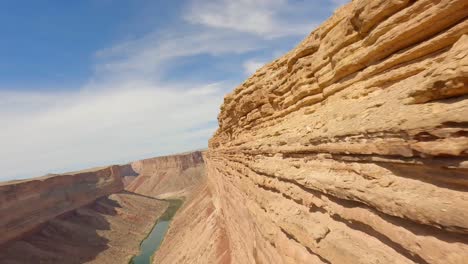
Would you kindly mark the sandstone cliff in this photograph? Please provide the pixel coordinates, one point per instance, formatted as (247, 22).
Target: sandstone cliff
(26, 204)
(351, 148)
(172, 176)
(197, 233)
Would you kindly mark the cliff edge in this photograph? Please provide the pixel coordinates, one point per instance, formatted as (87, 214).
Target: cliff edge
(26, 204)
(351, 148)
(168, 176)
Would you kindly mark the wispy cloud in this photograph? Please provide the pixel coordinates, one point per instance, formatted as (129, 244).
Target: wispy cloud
(152, 54)
(338, 3)
(128, 110)
(81, 128)
(266, 18)
(251, 66)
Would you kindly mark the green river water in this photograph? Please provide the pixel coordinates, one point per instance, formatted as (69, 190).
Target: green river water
(152, 242)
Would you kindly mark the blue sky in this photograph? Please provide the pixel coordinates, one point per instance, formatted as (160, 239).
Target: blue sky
(97, 82)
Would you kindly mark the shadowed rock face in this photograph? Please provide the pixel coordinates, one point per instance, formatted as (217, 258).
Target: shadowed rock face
(86, 216)
(108, 230)
(24, 205)
(351, 148)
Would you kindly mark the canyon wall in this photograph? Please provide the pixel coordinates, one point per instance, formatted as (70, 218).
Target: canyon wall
(26, 204)
(87, 216)
(351, 148)
(106, 231)
(197, 234)
(170, 176)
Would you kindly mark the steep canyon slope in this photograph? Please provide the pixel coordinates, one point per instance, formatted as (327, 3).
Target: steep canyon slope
(168, 176)
(27, 203)
(351, 148)
(87, 216)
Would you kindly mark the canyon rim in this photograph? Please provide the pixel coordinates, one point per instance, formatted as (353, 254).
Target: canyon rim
(350, 148)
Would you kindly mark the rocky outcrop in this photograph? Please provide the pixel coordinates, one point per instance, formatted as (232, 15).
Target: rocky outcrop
(107, 231)
(173, 176)
(351, 148)
(25, 205)
(127, 173)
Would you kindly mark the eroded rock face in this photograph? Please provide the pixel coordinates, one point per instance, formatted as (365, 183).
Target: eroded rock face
(168, 176)
(351, 148)
(25, 205)
(107, 231)
(197, 233)
(87, 216)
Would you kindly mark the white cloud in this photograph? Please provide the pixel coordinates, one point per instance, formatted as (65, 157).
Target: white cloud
(266, 18)
(251, 66)
(338, 3)
(127, 111)
(81, 129)
(152, 54)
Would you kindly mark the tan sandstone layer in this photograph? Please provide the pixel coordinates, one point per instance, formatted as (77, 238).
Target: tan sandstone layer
(351, 148)
(196, 224)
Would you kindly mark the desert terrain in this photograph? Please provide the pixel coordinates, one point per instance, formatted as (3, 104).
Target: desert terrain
(350, 148)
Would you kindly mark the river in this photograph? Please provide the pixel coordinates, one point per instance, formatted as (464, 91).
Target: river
(152, 242)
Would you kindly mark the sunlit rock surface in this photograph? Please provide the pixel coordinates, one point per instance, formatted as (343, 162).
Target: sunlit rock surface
(168, 176)
(351, 148)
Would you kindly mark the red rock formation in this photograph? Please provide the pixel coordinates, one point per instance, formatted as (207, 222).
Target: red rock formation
(26, 204)
(197, 217)
(351, 148)
(107, 231)
(86, 217)
(128, 174)
(173, 175)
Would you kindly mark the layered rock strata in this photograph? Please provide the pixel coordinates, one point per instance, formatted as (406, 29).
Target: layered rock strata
(351, 148)
(107, 231)
(87, 216)
(167, 176)
(197, 233)
(26, 204)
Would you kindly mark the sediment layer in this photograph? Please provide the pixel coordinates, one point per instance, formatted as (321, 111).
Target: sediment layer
(170, 176)
(351, 148)
(195, 230)
(87, 216)
(107, 231)
(26, 204)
